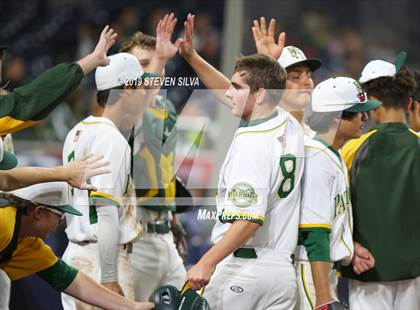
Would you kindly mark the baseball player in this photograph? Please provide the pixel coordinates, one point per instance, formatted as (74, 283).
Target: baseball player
(258, 198)
(155, 256)
(97, 238)
(299, 68)
(413, 108)
(107, 222)
(29, 104)
(325, 229)
(27, 216)
(384, 167)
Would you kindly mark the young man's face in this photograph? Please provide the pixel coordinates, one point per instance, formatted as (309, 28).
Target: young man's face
(144, 56)
(352, 128)
(45, 221)
(299, 86)
(240, 96)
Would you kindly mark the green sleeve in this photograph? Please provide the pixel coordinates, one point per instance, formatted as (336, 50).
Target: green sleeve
(35, 100)
(59, 276)
(317, 243)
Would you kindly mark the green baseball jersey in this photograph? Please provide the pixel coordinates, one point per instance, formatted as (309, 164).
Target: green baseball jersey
(28, 104)
(384, 167)
(153, 166)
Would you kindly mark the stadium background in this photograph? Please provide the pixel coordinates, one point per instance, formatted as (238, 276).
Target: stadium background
(40, 34)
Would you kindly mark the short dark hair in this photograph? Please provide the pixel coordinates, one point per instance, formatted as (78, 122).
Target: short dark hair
(139, 39)
(392, 91)
(263, 72)
(110, 96)
(321, 121)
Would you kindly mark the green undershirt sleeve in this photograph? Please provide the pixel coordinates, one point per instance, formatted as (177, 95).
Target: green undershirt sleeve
(59, 276)
(316, 242)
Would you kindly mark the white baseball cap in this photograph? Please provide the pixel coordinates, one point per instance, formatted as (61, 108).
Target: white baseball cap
(50, 194)
(380, 68)
(341, 94)
(123, 68)
(7, 159)
(292, 56)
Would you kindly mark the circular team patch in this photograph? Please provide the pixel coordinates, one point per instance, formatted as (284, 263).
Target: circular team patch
(242, 195)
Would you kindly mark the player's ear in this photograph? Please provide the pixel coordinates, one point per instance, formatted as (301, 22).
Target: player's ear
(409, 103)
(37, 212)
(261, 96)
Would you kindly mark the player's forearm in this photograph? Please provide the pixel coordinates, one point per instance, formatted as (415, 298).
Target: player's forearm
(237, 235)
(89, 63)
(210, 76)
(108, 238)
(87, 290)
(320, 277)
(26, 176)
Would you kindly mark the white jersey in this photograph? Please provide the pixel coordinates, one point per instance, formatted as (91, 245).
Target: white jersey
(326, 199)
(99, 135)
(260, 181)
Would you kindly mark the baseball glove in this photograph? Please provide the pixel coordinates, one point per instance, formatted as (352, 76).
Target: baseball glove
(335, 305)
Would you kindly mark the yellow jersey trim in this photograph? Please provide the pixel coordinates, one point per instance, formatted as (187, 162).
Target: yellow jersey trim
(328, 226)
(263, 131)
(105, 195)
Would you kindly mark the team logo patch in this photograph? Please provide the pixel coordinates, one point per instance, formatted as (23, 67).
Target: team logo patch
(237, 289)
(242, 195)
(362, 97)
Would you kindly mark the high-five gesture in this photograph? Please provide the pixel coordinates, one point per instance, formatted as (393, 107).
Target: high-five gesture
(98, 56)
(106, 40)
(187, 49)
(264, 40)
(165, 49)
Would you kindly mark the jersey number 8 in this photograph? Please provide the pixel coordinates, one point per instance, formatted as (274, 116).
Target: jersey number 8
(288, 167)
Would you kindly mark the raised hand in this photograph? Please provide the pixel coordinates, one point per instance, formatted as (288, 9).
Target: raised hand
(106, 40)
(165, 49)
(264, 40)
(187, 49)
(80, 171)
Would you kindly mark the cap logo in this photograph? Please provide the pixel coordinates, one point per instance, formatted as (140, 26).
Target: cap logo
(296, 53)
(361, 96)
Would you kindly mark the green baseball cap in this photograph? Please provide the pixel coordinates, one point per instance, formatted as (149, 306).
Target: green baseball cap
(7, 160)
(50, 194)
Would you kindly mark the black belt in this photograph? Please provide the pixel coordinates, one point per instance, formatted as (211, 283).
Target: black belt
(245, 253)
(157, 227)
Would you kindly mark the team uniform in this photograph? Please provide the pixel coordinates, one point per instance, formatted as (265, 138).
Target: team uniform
(384, 167)
(155, 256)
(24, 256)
(99, 135)
(325, 209)
(21, 257)
(260, 182)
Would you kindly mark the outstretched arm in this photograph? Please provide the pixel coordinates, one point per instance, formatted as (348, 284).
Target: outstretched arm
(87, 290)
(211, 77)
(75, 173)
(30, 103)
